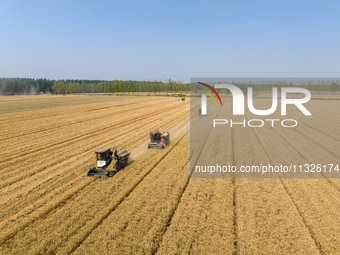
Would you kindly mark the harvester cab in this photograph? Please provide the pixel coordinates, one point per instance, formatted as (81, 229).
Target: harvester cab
(159, 139)
(105, 156)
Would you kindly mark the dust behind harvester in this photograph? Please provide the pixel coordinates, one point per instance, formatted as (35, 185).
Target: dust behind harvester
(159, 139)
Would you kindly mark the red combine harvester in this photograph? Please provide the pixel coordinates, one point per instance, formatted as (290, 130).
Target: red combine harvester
(159, 139)
(104, 158)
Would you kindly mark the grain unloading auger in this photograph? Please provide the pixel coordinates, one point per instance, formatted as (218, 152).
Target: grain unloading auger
(104, 158)
(159, 139)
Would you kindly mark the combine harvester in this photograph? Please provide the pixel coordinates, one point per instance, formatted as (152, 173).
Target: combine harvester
(104, 158)
(159, 139)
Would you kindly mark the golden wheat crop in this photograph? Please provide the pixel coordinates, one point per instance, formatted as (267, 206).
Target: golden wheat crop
(49, 205)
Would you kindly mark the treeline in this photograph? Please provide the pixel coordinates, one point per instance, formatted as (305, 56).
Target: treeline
(119, 86)
(14, 86)
(11, 86)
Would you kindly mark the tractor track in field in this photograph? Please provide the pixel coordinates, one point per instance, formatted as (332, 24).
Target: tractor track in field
(303, 219)
(235, 228)
(236, 248)
(127, 194)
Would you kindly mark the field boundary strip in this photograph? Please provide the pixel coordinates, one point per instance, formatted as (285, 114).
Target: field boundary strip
(236, 248)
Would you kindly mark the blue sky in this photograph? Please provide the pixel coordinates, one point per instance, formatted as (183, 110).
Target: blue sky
(149, 39)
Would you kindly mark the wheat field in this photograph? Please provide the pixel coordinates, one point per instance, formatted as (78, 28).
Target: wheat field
(49, 205)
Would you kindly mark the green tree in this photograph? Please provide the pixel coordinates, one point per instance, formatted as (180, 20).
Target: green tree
(58, 87)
